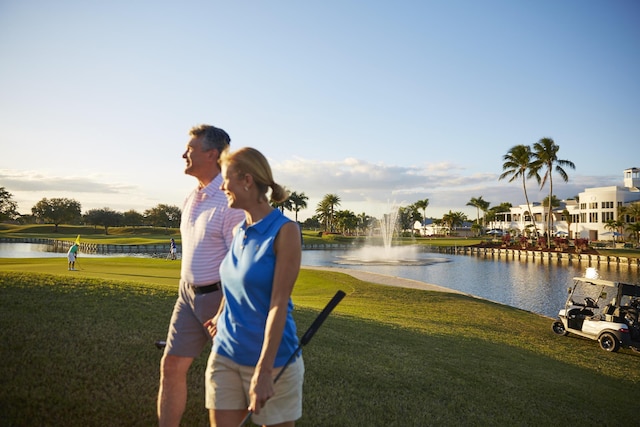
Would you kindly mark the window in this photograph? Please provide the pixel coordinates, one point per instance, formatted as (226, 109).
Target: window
(593, 205)
(607, 216)
(607, 205)
(593, 217)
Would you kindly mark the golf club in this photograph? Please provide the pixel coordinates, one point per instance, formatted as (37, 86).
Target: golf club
(307, 337)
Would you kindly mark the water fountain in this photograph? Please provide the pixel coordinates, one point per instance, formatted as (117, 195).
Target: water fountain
(388, 254)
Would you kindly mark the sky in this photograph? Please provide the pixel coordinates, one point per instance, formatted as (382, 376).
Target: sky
(382, 103)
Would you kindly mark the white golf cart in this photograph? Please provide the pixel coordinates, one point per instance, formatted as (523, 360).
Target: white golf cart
(604, 311)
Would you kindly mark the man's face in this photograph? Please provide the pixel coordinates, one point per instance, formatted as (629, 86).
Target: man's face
(199, 161)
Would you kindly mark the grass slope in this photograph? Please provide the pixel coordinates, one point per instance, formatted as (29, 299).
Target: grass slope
(77, 350)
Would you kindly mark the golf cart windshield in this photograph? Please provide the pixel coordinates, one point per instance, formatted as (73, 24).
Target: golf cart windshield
(591, 295)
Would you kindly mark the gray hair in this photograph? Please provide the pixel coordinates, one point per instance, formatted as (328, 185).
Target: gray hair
(214, 138)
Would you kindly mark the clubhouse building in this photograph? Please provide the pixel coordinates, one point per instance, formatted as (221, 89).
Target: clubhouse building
(588, 215)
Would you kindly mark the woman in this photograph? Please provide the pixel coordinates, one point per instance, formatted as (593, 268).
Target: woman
(254, 331)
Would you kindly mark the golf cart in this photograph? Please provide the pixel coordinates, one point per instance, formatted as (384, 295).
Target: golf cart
(604, 311)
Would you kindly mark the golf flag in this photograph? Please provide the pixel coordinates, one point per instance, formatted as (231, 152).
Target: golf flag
(78, 240)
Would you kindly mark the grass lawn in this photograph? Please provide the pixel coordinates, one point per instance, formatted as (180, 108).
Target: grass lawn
(77, 350)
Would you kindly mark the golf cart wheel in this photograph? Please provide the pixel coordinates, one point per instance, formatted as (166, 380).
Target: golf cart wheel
(558, 328)
(608, 342)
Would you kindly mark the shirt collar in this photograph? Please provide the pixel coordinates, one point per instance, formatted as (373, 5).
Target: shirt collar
(213, 186)
(263, 225)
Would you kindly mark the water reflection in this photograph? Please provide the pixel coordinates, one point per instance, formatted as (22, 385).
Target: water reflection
(533, 285)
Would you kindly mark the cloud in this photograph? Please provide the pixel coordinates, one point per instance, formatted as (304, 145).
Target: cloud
(30, 181)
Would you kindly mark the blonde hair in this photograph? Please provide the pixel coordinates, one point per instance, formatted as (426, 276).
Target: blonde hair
(251, 161)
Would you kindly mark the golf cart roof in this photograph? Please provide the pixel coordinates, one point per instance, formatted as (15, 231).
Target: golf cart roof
(600, 282)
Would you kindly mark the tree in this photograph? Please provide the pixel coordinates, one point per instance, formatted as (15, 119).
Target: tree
(132, 218)
(481, 205)
(453, 219)
(105, 217)
(323, 211)
(631, 216)
(364, 221)
(312, 223)
(285, 204)
(423, 204)
(163, 216)
(299, 202)
(634, 230)
(567, 217)
(57, 211)
(407, 216)
(326, 209)
(518, 164)
(8, 208)
(630, 213)
(346, 221)
(545, 155)
(614, 226)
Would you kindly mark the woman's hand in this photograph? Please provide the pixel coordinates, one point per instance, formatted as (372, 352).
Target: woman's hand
(211, 326)
(261, 390)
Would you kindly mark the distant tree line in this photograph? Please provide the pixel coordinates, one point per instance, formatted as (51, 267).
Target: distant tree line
(58, 211)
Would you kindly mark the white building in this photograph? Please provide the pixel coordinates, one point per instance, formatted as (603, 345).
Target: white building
(588, 215)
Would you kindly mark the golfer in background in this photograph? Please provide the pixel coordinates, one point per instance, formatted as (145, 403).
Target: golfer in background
(72, 254)
(172, 249)
(206, 229)
(254, 331)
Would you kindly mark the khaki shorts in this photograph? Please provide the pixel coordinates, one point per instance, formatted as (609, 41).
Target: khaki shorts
(227, 388)
(187, 336)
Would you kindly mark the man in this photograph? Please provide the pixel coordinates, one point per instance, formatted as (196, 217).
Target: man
(206, 228)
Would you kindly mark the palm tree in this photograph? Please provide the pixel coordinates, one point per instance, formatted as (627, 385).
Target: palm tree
(631, 212)
(631, 215)
(453, 219)
(363, 222)
(329, 202)
(517, 163)
(324, 213)
(299, 201)
(481, 205)
(545, 155)
(285, 204)
(567, 217)
(634, 230)
(423, 204)
(613, 225)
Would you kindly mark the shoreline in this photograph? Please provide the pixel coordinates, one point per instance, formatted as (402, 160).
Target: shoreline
(382, 279)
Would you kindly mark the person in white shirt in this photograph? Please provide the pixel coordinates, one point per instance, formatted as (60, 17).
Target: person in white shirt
(206, 230)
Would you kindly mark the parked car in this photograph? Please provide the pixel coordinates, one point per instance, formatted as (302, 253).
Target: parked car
(602, 310)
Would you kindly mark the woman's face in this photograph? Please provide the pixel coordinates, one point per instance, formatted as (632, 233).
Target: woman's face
(233, 186)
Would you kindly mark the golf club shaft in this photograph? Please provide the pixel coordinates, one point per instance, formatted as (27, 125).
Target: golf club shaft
(307, 337)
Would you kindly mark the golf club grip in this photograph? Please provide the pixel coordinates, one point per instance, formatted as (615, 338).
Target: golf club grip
(321, 317)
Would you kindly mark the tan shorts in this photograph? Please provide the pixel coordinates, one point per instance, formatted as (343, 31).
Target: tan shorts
(227, 388)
